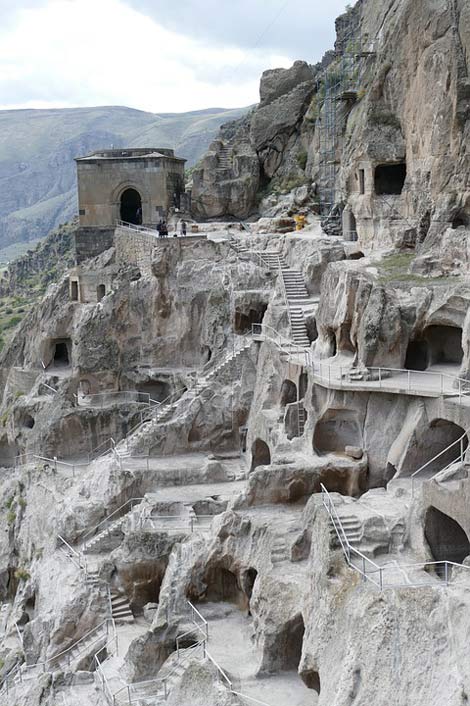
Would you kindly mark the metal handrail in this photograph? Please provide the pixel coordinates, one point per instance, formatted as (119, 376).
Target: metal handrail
(131, 502)
(286, 300)
(335, 374)
(461, 456)
(369, 567)
(239, 344)
(280, 341)
(116, 393)
(137, 228)
(197, 614)
(250, 698)
(220, 670)
(44, 665)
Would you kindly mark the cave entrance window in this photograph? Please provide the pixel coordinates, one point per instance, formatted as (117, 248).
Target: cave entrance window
(100, 292)
(222, 586)
(461, 220)
(260, 454)
(131, 207)
(446, 538)
(288, 393)
(332, 343)
(28, 421)
(61, 354)
(337, 429)
(444, 344)
(417, 357)
(74, 290)
(158, 390)
(290, 644)
(362, 181)
(390, 179)
(244, 321)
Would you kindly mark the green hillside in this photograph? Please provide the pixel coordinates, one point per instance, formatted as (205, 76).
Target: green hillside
(37, 149)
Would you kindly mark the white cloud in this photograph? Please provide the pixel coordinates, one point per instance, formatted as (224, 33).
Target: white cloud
(102, 52)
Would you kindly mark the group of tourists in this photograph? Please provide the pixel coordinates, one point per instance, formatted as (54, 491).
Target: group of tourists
(162, 229)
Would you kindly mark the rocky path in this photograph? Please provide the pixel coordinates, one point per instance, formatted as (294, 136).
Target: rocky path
(239, 657)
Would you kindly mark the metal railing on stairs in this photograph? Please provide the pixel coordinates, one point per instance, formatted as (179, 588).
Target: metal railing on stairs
(383, 577)
(23, 672)
(459, 446)
(431, 382)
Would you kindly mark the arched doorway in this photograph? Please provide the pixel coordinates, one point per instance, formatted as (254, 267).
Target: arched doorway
(446, 538)
(131, 207)
(260, 454)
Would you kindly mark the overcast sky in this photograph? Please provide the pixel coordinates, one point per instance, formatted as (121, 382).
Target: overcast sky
(156, 55)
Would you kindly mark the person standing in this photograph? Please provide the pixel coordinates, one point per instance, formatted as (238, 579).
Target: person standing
(183, 228)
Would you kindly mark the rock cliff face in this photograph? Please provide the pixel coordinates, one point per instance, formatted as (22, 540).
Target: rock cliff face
(380, 129)
(250, 153)
(235, 466)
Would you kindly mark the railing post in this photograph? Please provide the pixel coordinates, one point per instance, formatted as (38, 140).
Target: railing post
(442, 384)
(381, 578)
(446, 573)
(380, 377)
(363, 569)
(409, 380)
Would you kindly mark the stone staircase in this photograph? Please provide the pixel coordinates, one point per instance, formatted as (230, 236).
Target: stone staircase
(110, 532)
(279, 550)
(297, 296)
(120, 608)
(352, 527)
(225, 158)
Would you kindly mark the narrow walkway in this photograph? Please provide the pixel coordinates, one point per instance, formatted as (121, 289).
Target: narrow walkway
(240, 658)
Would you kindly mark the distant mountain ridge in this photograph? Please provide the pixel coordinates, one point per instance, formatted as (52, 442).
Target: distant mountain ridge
(37, 149)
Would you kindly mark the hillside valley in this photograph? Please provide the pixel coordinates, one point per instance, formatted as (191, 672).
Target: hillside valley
(38, 147)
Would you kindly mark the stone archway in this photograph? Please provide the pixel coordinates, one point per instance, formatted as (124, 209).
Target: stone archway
(131, 206)
(260, 454)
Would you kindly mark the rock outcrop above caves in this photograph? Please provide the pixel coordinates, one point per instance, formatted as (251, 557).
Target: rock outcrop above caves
(248, 154)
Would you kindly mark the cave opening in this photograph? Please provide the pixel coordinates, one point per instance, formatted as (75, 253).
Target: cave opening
(290, 640)
(446, 538)
(61, 357)
(390, 179)
(223, 587)
(288, 393)
(244, 321)
(445, 344)
(335, 430)
(74, 290)
(158, 390)
(260, 454)
(436, 439)
(28, 421)
(437, 345)
(100, 292)
(461, 219)
(311, 679)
